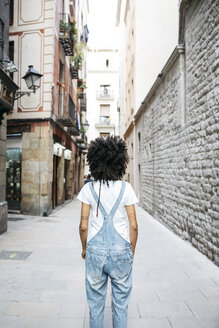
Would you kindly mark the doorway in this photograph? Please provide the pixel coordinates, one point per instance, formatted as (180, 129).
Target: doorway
(56, 160)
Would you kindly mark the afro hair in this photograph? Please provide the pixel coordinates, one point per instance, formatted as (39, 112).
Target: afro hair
(107, 158)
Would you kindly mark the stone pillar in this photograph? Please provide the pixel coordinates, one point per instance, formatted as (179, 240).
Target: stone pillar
(3, 203)
(36, 181)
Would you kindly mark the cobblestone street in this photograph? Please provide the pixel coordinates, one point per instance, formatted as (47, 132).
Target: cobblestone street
(174, 285)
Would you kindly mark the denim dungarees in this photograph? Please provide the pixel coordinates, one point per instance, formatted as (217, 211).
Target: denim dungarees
(108, 254)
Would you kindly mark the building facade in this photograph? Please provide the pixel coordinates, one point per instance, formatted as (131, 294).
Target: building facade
(102, 92)
(7, 95)
(44, 160)
(177, 129)
(148, 30)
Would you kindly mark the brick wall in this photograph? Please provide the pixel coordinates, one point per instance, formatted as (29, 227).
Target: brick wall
(180, 162)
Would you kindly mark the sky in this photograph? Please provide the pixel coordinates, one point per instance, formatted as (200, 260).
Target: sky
(101, 24)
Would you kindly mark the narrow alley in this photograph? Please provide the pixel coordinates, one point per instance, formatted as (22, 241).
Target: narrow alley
(42, 276)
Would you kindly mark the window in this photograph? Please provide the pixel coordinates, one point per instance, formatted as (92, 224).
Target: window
(11, 15)
(1, 39)
(132, 150)
(105, 89)
(104, 113)
(107, 62)
(61, 82)
(104, 134)
(139, 141)
(11, 54)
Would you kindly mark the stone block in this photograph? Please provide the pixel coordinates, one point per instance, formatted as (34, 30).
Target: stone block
(2, 179)
(44, 189)
(27, 177)
(3, 216)
(2, 148)
(2, 132)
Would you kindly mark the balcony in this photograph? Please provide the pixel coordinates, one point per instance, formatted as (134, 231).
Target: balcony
(71, 120)
(74, 71)
(104, 122)
(82, 95)
(7, 92)
(83, 104)
(66, 34)
(105, 94)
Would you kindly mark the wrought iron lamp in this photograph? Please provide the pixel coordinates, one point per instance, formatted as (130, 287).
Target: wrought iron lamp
(32, 79)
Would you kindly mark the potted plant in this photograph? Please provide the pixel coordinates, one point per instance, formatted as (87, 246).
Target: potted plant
(63, 27)
(83, 85)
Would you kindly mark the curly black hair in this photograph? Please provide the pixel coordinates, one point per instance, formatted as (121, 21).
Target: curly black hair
(107, 158)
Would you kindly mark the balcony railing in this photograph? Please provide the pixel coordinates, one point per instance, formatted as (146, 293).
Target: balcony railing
(104, 121)
(83, 103)
(70, 121)
(74, 130)
(7, 92)
(103, 94)
(66, 34)
(74, 71)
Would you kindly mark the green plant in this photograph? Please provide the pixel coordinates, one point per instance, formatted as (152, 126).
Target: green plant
(83, 85)
(63, 26)
(73, 29)
(82, 130)
(78, 54)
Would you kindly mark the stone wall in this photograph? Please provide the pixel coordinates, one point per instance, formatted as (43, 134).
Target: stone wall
(180, 158)
(36, 181)
(3, 203)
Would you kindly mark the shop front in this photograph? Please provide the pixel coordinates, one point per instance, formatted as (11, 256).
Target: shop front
(13, 171)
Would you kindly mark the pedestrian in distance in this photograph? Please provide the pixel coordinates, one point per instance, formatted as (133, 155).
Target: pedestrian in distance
(108, 230)
(88, 179)
(85, 178)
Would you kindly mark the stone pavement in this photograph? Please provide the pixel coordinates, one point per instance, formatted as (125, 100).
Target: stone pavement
(174, 285)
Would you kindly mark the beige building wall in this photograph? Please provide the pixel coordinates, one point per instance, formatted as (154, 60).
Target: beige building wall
(150, 31)
(47, 179)
(156, 35)
(33, 35)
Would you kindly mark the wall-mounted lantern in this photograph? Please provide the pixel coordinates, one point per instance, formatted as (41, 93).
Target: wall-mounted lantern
(32, 79)
(9, 90)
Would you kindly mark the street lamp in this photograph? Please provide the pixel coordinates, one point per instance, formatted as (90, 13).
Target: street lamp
(32, 79)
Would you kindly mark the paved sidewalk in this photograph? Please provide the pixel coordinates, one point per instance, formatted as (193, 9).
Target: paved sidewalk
(174, 285)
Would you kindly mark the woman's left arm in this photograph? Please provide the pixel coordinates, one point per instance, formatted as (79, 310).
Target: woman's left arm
(83, 227)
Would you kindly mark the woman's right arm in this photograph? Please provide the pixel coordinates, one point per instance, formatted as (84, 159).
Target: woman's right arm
(130, 209)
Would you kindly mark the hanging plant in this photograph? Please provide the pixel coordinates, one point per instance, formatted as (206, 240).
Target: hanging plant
(78, 56)
(63, 26)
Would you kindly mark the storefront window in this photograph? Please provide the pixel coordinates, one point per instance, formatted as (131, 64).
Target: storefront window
(13, 184)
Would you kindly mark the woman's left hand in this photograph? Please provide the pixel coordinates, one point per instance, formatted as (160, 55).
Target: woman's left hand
(83, 254)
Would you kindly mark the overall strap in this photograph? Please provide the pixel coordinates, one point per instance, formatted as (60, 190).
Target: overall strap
(113, 211)
(96, 198)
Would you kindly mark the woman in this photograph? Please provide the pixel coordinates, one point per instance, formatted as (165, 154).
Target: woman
(108, 230)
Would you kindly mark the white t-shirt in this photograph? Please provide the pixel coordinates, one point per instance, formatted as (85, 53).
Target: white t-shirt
(108, 198)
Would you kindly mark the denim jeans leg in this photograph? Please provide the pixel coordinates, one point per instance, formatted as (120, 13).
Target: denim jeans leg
(96, 295)
(121, 291)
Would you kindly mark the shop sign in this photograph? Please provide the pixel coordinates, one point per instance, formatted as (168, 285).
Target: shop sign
(57, 150)
(67, 154)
